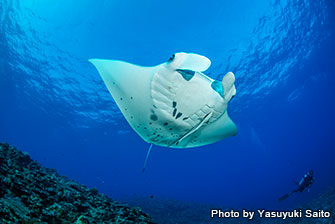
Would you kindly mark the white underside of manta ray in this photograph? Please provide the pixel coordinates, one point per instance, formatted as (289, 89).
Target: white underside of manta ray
(172, 104)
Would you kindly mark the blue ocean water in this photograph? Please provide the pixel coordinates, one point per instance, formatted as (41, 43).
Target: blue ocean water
(55, 106)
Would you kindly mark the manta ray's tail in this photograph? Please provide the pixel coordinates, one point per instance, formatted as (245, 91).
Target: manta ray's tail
(146, 158)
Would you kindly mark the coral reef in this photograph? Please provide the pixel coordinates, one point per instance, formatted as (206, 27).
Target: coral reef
(30, 193)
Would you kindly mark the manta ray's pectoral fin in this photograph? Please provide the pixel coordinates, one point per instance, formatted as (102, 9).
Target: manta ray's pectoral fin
(195, 128)
(146, 158)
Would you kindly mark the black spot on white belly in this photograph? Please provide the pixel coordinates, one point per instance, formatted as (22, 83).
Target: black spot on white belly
(178, 115)
(153, 117)
(174, 112)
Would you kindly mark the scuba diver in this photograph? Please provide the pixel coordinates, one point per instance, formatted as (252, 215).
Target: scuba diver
(304, 184)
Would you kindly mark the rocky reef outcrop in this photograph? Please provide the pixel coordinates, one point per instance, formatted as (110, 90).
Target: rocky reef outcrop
(31, 193)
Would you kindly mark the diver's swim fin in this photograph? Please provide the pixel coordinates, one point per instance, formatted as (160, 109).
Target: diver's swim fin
(282, 198)
(146, 158)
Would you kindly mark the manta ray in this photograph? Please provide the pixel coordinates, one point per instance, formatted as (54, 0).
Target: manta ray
(172, 104)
